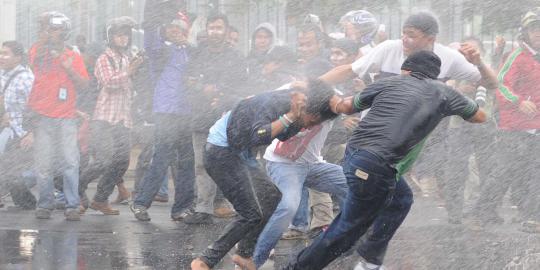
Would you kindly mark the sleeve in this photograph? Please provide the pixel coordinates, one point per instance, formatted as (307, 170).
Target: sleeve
(461, 69)
(372, 61)
(108, 77)
(508, 77)
(458, 104)
(364, 100)
(22, 87)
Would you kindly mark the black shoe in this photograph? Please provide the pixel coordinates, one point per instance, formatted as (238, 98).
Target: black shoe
(198, 218)
(179, 216)
(140, 212)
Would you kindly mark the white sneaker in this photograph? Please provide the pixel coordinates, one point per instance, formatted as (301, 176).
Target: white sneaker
(363, 265)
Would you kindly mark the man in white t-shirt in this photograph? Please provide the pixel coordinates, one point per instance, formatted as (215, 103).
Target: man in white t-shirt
(291, 165)
(419, 33)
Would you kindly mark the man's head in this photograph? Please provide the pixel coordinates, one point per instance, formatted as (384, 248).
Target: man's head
(422, 64)
(217, 28)
(360, 26)
(318, 108)
(310, 42)
(530, 28)
(419, 32)
(54, 27)
(234, 36)
(177, 30)
(11, 55)
(119, 32)
(343, 51)
(279, 58)
(262, 39)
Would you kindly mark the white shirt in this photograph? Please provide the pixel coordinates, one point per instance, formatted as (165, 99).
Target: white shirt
(388, 57)
(313, 150)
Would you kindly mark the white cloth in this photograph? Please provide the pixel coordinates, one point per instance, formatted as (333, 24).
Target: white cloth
(313, 150)
(388, 57)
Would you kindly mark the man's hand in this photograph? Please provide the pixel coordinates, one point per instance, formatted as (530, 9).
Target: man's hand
(528, 107)
(351, 122)
(134, 65)
(67, 63)
(298, 106)
(471, 53)
(27, 142)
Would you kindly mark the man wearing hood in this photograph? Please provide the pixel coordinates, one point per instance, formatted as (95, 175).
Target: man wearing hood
(262, 42)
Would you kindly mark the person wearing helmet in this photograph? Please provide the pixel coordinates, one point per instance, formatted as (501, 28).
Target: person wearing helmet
(111, 120)
(360, 26)
(518, 128)
(59, 73)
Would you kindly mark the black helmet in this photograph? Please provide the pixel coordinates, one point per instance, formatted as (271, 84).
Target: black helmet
(55, 20)
(122, 24)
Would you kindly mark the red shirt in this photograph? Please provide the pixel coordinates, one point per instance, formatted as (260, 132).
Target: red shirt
(48, 96)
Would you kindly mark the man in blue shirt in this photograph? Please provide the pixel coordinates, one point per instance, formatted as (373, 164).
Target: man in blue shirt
(230, 162)
(165, 41)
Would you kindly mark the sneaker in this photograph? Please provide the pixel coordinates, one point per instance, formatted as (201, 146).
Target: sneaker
(364, 265)
(198, 218)
(42, 213)
(179, 216)
(140, 212)
(159, 198)
(72, 214)
(105, 208)
(293, 234)
(224, 212)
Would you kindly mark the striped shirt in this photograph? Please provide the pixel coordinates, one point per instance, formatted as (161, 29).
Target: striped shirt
(116, 93)
(16, 96)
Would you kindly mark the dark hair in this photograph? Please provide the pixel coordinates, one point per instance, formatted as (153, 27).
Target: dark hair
(17, 49)
(318, 99)
(217, 16)
(310, 27)
(233, 29)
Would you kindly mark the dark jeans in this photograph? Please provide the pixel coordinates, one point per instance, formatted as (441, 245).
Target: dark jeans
(110, 148)
(173, 147)
(378, 200)
(12, 165)
(250, 192)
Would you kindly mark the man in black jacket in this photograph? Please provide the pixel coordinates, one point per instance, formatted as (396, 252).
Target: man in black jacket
(404, 110)
(229, 160)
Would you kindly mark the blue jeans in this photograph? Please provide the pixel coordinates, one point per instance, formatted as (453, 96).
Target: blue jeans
(291, 178)
(173, 147)
(56, 139)
(373, 199)
(164, 189)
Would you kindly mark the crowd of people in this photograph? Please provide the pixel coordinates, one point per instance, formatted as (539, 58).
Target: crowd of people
(279, 140)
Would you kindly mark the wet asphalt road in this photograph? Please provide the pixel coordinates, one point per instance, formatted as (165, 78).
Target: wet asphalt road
(425, 241)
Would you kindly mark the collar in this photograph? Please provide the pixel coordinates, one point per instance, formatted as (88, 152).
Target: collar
(11, 72)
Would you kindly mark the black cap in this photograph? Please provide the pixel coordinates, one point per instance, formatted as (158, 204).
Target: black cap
(423, 21)
(423, 63)
(347, 45)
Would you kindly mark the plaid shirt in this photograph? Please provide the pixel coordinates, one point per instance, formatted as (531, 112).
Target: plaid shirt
(16, 96)
(116, 94)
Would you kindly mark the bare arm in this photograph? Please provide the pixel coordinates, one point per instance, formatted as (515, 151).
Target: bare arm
(338, 75)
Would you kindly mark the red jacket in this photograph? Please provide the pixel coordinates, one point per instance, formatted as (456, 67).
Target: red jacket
(519, 80)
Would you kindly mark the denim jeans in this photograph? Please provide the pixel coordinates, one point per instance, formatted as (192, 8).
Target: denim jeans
(291, 178)
(164, 189)
(56, 139)
(370, 201)
(252, 195)
(173, 147)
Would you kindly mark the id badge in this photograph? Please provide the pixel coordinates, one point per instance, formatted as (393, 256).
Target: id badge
(62, 94)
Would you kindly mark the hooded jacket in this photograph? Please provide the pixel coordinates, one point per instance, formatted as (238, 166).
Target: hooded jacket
(255, 58)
